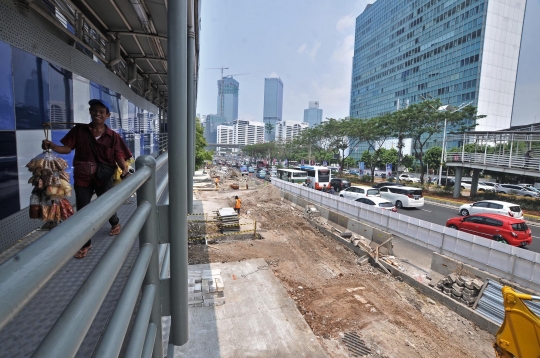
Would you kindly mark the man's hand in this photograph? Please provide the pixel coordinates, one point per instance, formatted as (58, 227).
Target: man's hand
(46, 144)
(125, 173)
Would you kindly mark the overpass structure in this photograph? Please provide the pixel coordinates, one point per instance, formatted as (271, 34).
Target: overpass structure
(513, 151)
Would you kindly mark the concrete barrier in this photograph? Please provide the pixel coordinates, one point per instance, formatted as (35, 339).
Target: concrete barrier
(511, 263)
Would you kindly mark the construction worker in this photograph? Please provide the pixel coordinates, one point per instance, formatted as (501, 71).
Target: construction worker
(237, 204)
(216, 181)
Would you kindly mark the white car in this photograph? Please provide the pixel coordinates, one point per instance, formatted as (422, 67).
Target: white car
(355, 192)
(491, 207)
(403, 196)
(466, 184)
(378, 202)
(407, 177)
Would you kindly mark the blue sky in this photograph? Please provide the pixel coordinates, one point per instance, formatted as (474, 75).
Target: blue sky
(309, 45)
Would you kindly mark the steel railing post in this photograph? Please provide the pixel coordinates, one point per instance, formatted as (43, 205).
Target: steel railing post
(190, 106)
(149, 234)
(177, 17)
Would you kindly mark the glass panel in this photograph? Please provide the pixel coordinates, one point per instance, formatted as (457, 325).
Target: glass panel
(112, 98)
(31, 84)
(81, 96)
(7, 113)
(9, 179)
(61, 88)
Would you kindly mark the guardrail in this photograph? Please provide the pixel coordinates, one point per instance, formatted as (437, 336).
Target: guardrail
(511, 263)
(22, 276)
(499, 160)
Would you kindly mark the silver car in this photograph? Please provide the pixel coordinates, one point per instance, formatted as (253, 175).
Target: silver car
(515, 189)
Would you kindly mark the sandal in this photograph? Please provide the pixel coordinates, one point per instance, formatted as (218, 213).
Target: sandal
(115, 230)
(81, 254)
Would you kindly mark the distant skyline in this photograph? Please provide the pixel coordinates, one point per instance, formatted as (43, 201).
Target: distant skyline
(309, 45)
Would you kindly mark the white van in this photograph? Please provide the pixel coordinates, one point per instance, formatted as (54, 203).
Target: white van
(403, 196)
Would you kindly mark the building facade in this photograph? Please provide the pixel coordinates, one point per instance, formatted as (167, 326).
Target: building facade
(211, 123)
(461, 51)
(248, 132)
(313, 115)
(225, 135)
(287, 130)
(273, 106)
(227, 100)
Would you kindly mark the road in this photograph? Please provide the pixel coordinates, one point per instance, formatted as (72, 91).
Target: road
(438, 214)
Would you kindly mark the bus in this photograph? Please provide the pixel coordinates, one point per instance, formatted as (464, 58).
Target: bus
(292, 175)
(318, 176)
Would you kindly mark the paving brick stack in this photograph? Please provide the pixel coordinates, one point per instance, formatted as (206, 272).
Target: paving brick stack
(464, 289)
(205, 288)
(228, 220)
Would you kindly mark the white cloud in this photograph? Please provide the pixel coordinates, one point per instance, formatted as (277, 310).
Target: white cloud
(302, 48)
(273, 75)
(314, 50)
(344, 51)
(345, 23)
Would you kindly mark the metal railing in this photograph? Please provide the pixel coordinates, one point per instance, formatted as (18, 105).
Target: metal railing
(22, 276)
(497, 160)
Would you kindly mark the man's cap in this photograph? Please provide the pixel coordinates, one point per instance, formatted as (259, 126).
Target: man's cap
(101, 102)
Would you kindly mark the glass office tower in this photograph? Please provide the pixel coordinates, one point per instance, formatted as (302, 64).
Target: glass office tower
(273, 106)
(461, 51)
(227, 101)
(313, 115)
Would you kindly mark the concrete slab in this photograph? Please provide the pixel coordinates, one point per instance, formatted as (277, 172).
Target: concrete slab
(258, 319)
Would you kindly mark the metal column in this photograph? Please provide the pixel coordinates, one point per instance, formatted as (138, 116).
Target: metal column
(474, 183)
(457, 185)
(178, 175)
(148, 234)
(190, 106)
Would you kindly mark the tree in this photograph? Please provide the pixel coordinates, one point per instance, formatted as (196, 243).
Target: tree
(407, 161)
(349, 162)
(375, 131)
(201, 154)
(425, 120)
(433, 157)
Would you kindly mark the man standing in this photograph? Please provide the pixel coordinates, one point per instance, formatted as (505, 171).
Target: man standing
(89, 141)
(237, 204)
(528, 157)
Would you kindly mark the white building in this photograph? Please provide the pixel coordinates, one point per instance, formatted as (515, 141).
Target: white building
(248, 132)
(225, 135)
(287, 130)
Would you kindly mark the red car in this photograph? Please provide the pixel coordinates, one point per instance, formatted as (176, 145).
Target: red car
(501, 228)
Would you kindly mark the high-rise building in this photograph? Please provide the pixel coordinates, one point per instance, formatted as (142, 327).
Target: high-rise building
(273, 106)
(463, 51)
(227, 100)
(225, 135)
(248, 132)
(313, 115)
(287, 130)
(212, 121)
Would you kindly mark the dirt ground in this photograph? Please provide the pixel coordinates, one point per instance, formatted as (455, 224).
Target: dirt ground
(334, 293)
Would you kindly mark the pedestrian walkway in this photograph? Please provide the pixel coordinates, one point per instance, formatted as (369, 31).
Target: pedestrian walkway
(25, 332)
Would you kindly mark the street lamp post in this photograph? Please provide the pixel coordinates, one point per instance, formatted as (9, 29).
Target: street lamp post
(443, 147)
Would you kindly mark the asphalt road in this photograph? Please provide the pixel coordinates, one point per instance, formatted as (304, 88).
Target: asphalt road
(440, 214)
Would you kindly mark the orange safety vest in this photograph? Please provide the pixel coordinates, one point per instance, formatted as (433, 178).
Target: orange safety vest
(237, 205)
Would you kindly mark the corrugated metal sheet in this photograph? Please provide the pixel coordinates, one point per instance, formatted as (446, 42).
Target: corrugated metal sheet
(491, 304)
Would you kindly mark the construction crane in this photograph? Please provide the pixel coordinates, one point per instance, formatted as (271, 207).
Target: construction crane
(221, 97)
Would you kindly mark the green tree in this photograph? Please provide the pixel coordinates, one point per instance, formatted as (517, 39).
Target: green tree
(433, 157)
(201, 154)
(427, 118)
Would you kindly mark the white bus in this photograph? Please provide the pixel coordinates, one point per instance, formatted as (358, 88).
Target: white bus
(292, 175)
(318, 176)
